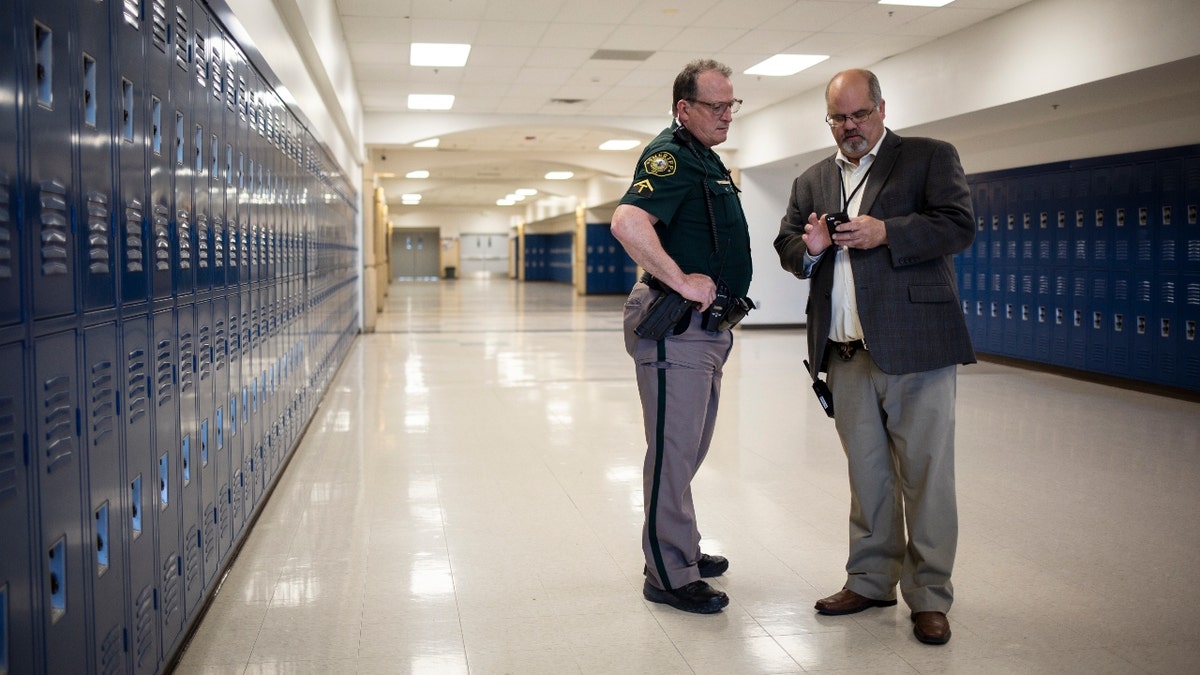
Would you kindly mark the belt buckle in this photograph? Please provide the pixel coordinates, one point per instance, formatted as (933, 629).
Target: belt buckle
(846, 350)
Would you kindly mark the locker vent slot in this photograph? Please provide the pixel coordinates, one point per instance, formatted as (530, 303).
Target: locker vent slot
(6, 231)
(218, 242)
(182, 56)
(201, 56)
(183, 225)
(162, 239)
(158, 24)
(55, 223)
(134, 255)
(98, 234)
(202, 241)
(58, 415)
(103, 402)
(132, 13)
(10, 450)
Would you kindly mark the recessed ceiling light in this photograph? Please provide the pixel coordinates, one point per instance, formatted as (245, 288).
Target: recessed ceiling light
(422, 173)
(410, 197)
(559, 175)
(917, 3)
(427, 143)
(619, 144)
(438, 54)
(782, 65)
(430, 101)
(504, 202)
(528, 192)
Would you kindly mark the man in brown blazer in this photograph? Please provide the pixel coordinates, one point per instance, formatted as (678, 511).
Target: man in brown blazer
(885, 323)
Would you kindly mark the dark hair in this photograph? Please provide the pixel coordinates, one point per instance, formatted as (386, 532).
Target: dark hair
(685, 82)
(874, 92)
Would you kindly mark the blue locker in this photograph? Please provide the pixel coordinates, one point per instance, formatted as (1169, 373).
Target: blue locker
(189, 159)
(17, 587)
(234, 413)
(1168, 327)
(141, 482)
(166, 53)
(1043, 314)
(1189, 342)
(51, 186)
(220, 441)
(191, 444)
(209, 74)
(62, 543)
(109, 501)
(1144, 198)
(1143, 328)
(1190, 218)
(1059, 315)
(168, 476)
(1077, 319)
(11, 244)
(209, 460)
(97, 216)
(1025, 314)
(1120, 324)
(1170, 213)
(141, 116)
(1097, 319)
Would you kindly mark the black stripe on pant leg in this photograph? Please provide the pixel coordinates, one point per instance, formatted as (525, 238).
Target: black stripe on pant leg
(659, 442)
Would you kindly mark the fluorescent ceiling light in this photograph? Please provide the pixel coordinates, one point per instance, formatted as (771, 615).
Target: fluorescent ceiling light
(782, 65)
(430, 101)
(619, 144)
(422, 173)
(410, 198)
(438, 54)
(528, 192)
(559, 175)
(515, 197)
(427, 143)
(917, 3)
(504, 202)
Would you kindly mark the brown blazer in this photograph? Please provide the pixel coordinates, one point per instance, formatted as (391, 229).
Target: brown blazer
(907, 291)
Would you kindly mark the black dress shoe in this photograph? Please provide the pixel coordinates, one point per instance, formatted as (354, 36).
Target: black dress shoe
(697, 597)
(711, 565)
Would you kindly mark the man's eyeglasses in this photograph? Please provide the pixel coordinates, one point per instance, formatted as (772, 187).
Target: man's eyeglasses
(858, 117)
(719, 109)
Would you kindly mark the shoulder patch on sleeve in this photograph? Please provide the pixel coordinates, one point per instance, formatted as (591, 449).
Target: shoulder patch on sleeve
(642, 187)
(660, 164)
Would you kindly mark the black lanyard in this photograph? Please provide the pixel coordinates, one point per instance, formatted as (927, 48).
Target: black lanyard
(861, 182)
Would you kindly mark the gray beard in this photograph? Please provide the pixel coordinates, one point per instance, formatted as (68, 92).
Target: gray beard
(855, 147)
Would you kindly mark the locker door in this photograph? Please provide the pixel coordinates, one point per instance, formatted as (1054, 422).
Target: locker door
(62, 547)
(220, 440)
(108, 511)
(189, 158)
(140, 111)
(50, 107)
(208, 459)
(234, 412)
(141, 482)
(11, 245)
(206, 75)
(190, 447)
(167, 478)
(16, 518)
(96, 95)
(166, 47)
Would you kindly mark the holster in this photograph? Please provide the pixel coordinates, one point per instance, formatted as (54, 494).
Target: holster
(665, 313)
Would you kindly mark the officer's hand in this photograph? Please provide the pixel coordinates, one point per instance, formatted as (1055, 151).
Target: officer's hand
(816, 235)
(700, 289)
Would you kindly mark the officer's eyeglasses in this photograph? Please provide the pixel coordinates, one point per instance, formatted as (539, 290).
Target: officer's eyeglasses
(858, 117)
(719, 109)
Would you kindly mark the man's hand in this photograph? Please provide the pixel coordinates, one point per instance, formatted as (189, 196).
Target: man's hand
(861, 232)
(699, 288)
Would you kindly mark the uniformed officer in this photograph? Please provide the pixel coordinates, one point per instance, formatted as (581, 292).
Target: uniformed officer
(682, 222)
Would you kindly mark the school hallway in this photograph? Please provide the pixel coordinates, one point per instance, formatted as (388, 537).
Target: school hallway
(467, 499)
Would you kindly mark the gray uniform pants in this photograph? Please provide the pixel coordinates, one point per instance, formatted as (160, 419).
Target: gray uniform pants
(898, 434)
(679, 380)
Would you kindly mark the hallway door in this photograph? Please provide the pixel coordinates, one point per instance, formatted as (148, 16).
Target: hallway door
(415, 254)
(486, 253)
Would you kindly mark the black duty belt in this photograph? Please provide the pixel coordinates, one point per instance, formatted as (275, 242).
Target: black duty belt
(650, 281)
(846, 350)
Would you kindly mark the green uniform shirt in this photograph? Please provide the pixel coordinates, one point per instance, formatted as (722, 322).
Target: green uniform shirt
(668, 184)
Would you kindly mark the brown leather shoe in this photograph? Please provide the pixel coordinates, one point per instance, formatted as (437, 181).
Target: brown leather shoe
(932, 628)
(847, 601)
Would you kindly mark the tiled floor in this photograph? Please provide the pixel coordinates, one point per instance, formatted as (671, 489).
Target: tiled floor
(468, 499)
